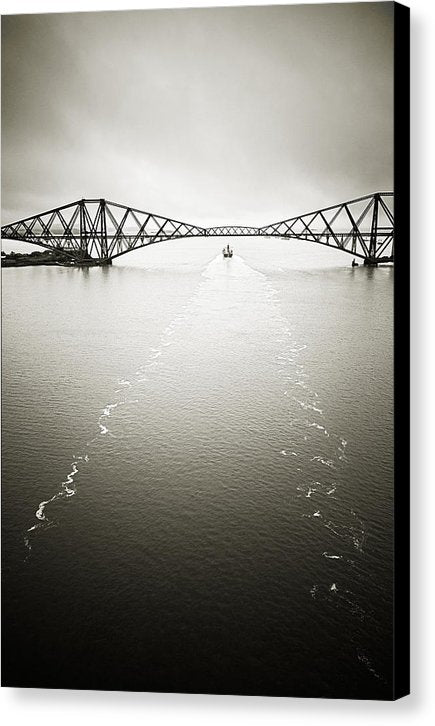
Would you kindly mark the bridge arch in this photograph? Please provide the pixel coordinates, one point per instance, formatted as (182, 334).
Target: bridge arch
(101, 231)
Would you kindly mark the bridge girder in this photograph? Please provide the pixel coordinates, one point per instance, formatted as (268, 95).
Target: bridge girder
(101, 230)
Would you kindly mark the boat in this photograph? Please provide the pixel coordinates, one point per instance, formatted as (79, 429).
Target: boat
(227, 252)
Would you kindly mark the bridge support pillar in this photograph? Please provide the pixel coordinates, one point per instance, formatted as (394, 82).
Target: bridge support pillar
(370, 262)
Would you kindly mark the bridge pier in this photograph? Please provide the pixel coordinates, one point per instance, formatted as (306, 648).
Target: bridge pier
(93, 262)
(370, 262)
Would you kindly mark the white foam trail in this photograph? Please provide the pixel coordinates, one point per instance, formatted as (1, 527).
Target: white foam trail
(108, 409)
(347, 533)
(325, 462)
(68, 487)
(70, 490)
(305, 404)
(314, 408)
(358, 542)
(319, 427)
(39, 514)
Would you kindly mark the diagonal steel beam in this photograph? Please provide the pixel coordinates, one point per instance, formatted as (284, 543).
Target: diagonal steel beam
(91, 235)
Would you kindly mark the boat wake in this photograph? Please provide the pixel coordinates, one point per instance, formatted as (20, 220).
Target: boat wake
(314, 453)
(128, 391)
(317, 461)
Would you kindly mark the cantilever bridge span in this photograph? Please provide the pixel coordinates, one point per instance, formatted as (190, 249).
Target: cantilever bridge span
(100, 231)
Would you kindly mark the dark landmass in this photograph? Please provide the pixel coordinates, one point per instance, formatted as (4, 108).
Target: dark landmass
(45, 257)
(49, 257)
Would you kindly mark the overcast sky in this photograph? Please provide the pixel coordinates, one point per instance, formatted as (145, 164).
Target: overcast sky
(206, 115)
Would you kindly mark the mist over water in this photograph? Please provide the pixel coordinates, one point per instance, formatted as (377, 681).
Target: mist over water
(198, 472)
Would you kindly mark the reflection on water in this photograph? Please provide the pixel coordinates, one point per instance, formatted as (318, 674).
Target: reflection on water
(198, 459)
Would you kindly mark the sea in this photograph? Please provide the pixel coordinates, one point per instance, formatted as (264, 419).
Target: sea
(197, 472)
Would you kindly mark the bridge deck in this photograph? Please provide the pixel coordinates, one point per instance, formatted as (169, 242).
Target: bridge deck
(103, 230)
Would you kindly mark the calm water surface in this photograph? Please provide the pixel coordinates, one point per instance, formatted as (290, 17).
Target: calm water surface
(198, 473)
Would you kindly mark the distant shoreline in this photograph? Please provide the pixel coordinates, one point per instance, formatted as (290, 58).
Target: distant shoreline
(29, 263)
(44, 257)
(53, 258)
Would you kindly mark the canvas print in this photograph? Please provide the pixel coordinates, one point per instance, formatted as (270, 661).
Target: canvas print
(199, 245)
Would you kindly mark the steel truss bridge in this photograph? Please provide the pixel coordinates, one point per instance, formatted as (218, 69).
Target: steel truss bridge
(96, 231)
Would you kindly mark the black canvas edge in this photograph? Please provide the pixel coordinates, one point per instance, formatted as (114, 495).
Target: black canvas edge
(401, 594)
